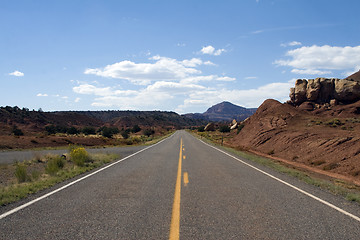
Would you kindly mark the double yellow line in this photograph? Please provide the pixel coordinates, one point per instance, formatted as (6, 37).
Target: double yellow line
(175, 217)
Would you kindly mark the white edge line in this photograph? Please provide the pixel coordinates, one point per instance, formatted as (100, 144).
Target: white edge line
(76, 181)
(288, 184)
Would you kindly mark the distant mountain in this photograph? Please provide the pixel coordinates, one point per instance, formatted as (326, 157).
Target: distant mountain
(224, 111)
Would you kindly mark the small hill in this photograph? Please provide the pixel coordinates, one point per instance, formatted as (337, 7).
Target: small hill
(326, 140)
(355, 76)
(37, 128)
(224, 111)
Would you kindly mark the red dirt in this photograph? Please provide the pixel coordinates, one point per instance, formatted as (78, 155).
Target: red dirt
(326, 140)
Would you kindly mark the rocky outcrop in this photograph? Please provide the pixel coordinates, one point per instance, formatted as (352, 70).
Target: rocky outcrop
(234, 124)
(210, 127)
(325, 90)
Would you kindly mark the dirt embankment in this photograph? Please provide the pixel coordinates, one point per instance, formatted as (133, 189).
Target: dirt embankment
(326, 140)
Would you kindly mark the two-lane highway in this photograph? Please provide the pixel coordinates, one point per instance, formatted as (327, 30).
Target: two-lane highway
(184, 188)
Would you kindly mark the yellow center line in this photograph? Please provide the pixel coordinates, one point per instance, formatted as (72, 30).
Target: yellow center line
(186, 178)
(175, 217)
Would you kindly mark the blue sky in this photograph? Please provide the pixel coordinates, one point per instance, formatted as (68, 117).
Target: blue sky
(182, 56)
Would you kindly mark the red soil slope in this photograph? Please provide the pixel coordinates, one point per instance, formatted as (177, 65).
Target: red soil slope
(327, 140)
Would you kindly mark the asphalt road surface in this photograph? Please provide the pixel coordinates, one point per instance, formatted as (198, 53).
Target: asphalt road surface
(182, 188)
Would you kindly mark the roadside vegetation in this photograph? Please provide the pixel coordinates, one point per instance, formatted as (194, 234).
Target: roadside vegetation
(43, 172)
(21, 179)
(345, 189)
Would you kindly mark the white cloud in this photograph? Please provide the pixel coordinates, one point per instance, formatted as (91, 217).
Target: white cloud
(251, 77)
(310, 71)
(164, 69)
(246, 98)
(187, 95)
(196, 79)
(321, 59)
(165, 82)
(291, 44)
(77, 100)
(42, 95)
(210, 50)
(17, 74)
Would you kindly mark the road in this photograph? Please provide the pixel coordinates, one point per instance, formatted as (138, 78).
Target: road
(182, 188)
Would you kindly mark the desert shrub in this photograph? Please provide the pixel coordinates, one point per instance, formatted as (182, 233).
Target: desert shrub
(17, 132)
(135, 129)
(125, 134)
(73, 130)
(79, 156)
(201, 129)
(88, 130)
(35, 175)
(240, 127)
(54, 165)
(224, 128)
(148, 132)
(21, 173)
(108, 132)
(271, 152)
(334, 122)
(50, 129)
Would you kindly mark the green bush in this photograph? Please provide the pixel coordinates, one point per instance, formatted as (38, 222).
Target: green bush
(54, 165)
(201, 129)
(88, 130)
(17, 132)
(224, 129)
(20, 173)
(136, 129)
(79, 156)
(125, 134)
(148, 132)
(73, 130)
(108, 132)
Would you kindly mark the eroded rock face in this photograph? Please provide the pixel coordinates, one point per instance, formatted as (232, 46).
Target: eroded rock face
(300, 91)
(347, 90)
(324, 90)
(313, 89)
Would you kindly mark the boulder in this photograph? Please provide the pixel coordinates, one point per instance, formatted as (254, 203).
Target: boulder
(234, 126)
(300, 91)
(308, 106)
(347, 90)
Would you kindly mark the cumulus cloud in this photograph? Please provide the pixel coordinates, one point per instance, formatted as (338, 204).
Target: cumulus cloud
(187, 95)
(321, 59)
(163, 69)
(247, 98)
(160, 84)
(42, 95)
(17, 74)
(291, 44)
(210, 50)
